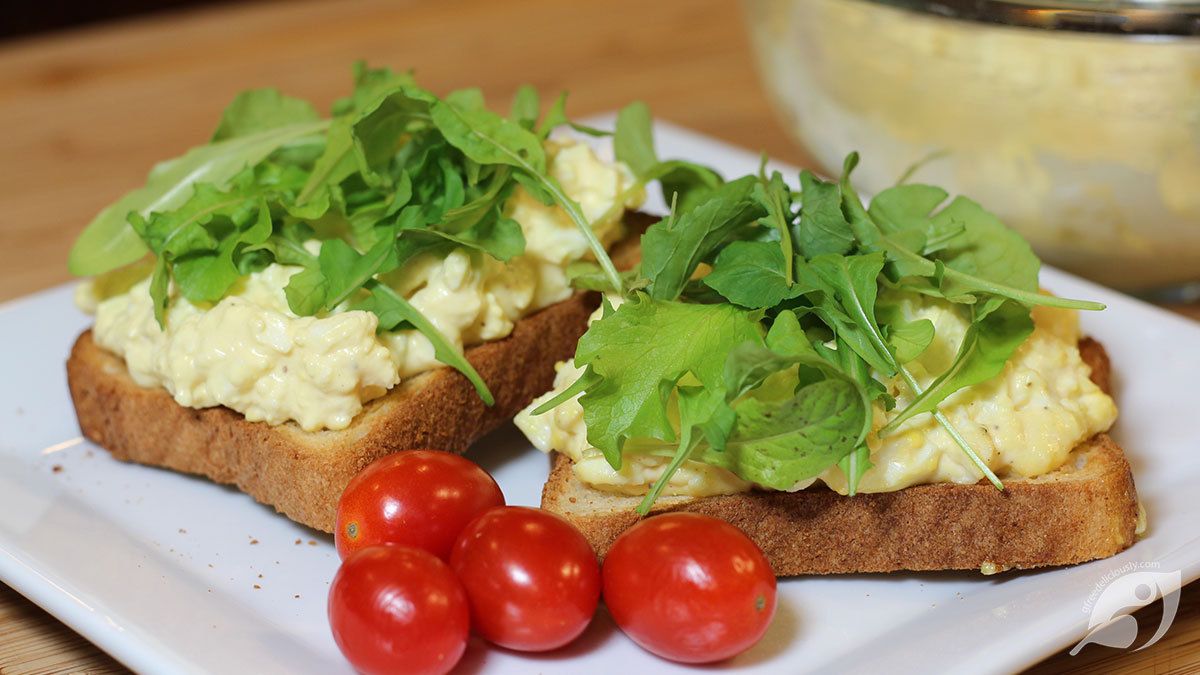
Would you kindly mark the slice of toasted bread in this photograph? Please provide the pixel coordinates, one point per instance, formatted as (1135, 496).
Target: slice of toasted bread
(1085, 510)
(302, 473)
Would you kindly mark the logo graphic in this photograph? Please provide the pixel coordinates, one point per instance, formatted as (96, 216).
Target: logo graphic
(1122, 591)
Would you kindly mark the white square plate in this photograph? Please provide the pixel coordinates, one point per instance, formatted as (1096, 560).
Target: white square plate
(173, 574)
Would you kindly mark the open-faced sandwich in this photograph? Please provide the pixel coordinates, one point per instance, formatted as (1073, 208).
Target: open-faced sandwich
(859, 389)
(302, 295)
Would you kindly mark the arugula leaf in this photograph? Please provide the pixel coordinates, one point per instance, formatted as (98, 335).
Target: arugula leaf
(641, 351)
(821, 228)
(335, 164)
(776, 199)
(377, 134)
(908, 339)
(857, 462)
(633, 142)
(370, 85)
(586, 381)
(846, 302)
(671, 249)
(207, 275)
(363, 137)
(707, 410)
(857, 369)
(786, 337)
(702, 408)
(589, 276)
(109, 242)
(259, 110)
(487, 138)
(903, 212)
(555, 117)
(469, 99)
(160, 280)
(498, 236)
(751, 274)
(906, 208)
(749, 365)
(306, 291)
(525, 108)
(854, 465)
(201, 237)
(479, 201)
(905, 261)
(777, 443)
(389, 305)
(286, 250)
(984, 249)
(346, 270)
(372, 214)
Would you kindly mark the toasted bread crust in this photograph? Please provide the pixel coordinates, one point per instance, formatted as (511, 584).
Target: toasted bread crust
(302, 473)
(1087, 509)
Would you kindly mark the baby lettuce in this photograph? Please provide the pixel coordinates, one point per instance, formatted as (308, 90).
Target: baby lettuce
(774, 358)
(396, 171)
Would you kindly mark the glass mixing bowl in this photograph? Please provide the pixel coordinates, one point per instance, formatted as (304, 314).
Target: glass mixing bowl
(1078, 123)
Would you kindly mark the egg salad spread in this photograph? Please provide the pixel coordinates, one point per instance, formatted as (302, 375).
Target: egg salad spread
(1022, 423)
(251, 353)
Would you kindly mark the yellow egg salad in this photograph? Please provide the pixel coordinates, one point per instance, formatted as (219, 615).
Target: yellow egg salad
(251, 353)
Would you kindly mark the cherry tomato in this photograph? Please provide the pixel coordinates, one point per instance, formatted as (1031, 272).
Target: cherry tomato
(420, 498)
(395, 609)
(689, 587)
(531, 578)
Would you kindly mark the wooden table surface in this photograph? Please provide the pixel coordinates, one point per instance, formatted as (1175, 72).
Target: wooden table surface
(85, 114)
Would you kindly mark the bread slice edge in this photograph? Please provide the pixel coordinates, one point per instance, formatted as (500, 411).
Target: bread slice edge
(1085, 510)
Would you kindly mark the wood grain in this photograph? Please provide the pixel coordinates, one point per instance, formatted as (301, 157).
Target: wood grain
(86, 113)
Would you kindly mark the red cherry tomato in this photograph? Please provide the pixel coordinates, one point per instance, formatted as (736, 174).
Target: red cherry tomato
(531, 578)
(419, 498)
(395, 609)
(689, 587)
